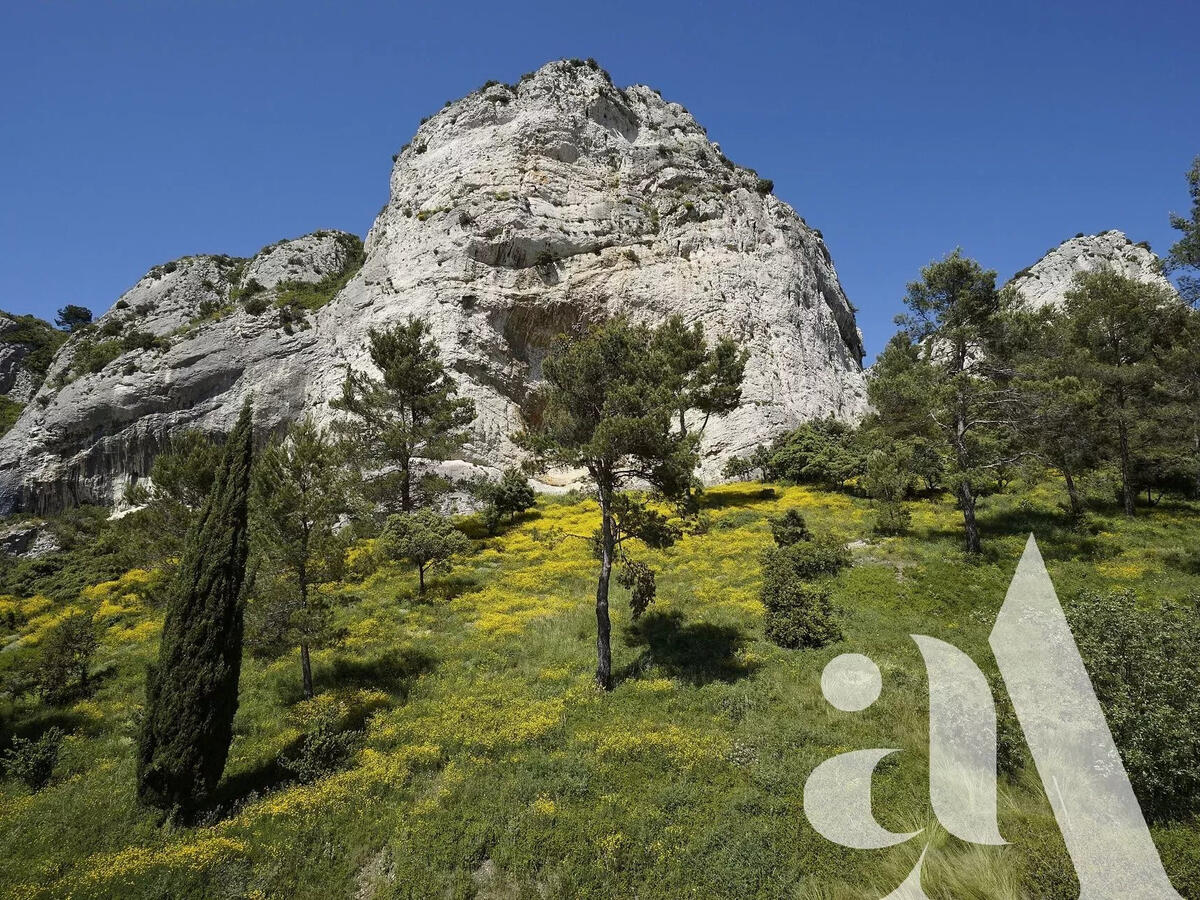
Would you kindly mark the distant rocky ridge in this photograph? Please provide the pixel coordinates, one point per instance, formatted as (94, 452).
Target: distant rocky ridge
(515, 213)
(1047, 281)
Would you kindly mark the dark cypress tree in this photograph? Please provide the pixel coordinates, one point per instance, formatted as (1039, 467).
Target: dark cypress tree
(191, 693)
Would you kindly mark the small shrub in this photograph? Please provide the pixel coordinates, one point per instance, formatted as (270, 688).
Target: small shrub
(1145, 665)
(806, 560)
(33, 760)
(799, 614)
(510, 496)
(93, 356)
(325, 747)
(739, 518)
(142, 340)
(790, 528)
(246, 291)
(208, 309)
(256, 305)
(66, 655)
(764, 186)
(892, 517)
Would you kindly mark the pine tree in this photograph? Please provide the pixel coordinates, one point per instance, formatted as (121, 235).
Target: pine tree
(411, 413)
(704, 380)
(1061, 425)
(948, 375)
(426, 539)
(1184, 257)
(192, 691)
(300, 491)
(605, 407)
(1123, 329)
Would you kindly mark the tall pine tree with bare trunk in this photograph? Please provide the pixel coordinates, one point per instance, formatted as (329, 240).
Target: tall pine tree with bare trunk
(949, 374)
(605, 407)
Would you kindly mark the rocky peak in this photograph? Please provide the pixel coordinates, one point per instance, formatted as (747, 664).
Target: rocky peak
(1047, 281)
(515, 213)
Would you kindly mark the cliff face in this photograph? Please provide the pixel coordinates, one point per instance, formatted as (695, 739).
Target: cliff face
(27, 347)
(516, 213)
(1047, 281)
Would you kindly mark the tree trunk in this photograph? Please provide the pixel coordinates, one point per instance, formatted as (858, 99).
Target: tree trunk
(421, 579)
(1073, 494)
(405, 488)
(966, 499)
(603, 625)
(1127, 498)
(687, 488)
(306, 669)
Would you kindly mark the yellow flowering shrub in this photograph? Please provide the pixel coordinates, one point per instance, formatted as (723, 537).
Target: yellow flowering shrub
(129, 865)
(488, 716)
(145, 630)
(40, 626)
(683, 747)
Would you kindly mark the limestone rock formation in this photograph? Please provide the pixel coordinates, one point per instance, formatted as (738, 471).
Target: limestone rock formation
(178, 350)
(27, 347)
(516, 213)
(1047, 281)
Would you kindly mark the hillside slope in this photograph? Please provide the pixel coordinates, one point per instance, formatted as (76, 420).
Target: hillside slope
(491, 767)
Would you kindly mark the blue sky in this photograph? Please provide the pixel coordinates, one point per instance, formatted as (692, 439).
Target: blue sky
(133, 133)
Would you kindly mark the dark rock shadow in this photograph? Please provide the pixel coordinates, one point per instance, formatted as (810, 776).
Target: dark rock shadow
(697, 653)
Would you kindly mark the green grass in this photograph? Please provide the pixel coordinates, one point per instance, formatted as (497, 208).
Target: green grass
(491, 767)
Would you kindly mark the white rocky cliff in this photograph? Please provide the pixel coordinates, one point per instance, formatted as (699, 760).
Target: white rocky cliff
(1047, 281)
(516, 213)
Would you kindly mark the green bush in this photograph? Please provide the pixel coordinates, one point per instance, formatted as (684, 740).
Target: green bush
(510, 496)
(93, 356)
(66, 655)
(1145, 666)
(790, 528)
(325, 747)
(246, 291)
(892, 517)
(256, 305)
(40, 340)
(142, 340)
(294, 298)
(806, 560)
(10, 411)
(799, 614)
(33, 760)
(823, 452)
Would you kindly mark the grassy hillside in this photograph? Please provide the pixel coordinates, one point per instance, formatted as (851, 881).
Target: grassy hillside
(490, 766)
